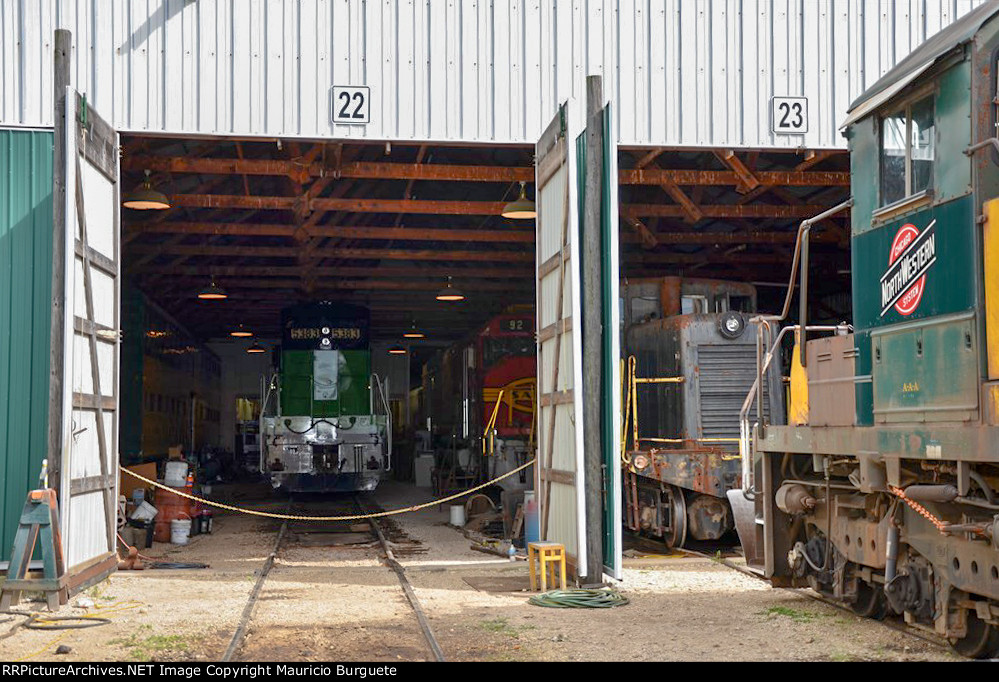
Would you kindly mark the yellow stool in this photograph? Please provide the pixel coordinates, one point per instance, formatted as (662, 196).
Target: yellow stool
(550, 555)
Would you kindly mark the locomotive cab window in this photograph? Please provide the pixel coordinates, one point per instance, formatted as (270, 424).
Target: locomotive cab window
(908, 150)
(693, 305)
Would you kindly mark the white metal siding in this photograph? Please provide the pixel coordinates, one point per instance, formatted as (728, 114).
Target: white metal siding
(683, 72)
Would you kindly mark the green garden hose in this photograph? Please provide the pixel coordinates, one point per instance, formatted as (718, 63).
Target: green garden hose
(579, 599)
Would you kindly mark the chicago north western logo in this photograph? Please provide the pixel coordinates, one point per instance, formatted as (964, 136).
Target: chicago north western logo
(912, 254)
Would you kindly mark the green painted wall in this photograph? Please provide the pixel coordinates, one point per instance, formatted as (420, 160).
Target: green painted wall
(25, 317)
(133, 324)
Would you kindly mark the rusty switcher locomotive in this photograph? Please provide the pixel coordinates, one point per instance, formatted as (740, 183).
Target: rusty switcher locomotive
(882, 489)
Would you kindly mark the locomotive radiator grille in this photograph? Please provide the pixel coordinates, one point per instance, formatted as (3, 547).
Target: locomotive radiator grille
(725, 377)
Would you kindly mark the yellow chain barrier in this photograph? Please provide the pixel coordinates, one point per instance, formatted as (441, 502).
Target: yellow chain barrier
(350, 517)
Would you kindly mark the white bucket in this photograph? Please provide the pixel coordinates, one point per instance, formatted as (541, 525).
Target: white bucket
(180, 531)
(144, 512)
(458, 515)
(176, 474)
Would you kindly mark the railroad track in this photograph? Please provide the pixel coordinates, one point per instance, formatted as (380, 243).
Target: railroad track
(329, 506)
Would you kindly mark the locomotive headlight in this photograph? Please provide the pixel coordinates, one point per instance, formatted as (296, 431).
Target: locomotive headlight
(731, 325)
(325, 343)
(640, 461)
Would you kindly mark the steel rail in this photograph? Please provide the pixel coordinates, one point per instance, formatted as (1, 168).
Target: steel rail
(407, 587)
(244, 621)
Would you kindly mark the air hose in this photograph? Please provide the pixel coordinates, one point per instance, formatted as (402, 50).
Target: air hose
(579, 599)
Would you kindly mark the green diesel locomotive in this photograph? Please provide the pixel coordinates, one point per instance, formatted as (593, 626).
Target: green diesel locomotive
(325, 424)
(882, 489)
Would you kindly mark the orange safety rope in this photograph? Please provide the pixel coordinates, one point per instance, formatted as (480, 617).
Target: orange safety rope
(920, 509)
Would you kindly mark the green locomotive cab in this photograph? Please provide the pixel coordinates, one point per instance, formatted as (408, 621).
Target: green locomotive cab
(325, 425)
(882, 490)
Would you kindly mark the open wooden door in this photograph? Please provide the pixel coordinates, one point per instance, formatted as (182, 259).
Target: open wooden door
(84, 466)
(560, 471)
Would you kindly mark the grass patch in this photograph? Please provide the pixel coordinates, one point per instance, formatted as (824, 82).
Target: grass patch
(797, 615)
(143, 649)
(500, 626)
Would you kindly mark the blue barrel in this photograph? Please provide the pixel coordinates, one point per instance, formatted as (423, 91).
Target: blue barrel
(532, 521)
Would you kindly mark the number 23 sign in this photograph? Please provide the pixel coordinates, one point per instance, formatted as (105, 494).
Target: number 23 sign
(350, 104)
(789, 115)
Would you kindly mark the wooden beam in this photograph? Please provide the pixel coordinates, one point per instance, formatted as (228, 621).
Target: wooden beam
(248, 281)
(747, 180)
(380, 271)
(337, 251)
(506, 235)
(471, 207)
(463, 173)
(725, 211)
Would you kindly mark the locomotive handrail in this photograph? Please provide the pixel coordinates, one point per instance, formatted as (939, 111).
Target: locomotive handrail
(755, 395)
(765, 322)
(994, 141)
(376, 380)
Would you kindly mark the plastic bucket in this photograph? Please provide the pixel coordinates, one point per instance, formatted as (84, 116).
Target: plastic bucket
(176, 474)
(180, 531)
(144, 512)
(458, 515)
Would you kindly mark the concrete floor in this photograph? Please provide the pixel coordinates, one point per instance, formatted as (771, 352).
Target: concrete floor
(343, 603)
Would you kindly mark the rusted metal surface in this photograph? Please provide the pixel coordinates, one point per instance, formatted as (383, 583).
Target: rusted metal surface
(705, 470)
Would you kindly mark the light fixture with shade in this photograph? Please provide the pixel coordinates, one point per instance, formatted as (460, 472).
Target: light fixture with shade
(145, 198)
(213, 292)
(397, 350)
(449, 293)
(256, 348)
(241, 333)
(521, 209)
(414, 333)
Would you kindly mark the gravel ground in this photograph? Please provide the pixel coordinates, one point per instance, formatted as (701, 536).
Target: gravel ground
(343, 603)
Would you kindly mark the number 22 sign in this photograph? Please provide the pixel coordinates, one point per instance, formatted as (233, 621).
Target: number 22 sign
(350, 104)
(789, 115)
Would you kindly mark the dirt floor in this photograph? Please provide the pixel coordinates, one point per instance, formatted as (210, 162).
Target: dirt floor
(330, 597)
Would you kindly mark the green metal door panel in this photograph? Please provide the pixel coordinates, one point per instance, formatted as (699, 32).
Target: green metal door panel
(611, 423)
(926, 371)
(952, 167)
(25, 317)
(863, 143)
(353, 382)
(864, 388)
(950, 285)
(610, 348)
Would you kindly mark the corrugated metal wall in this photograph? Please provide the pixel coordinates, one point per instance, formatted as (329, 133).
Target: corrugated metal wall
(25, 317)
(684, 72)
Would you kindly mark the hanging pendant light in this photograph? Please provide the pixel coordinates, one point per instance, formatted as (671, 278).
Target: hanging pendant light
(521, 209)
(241, 333)
(213, 292)
(145, 198)
(449, 293)
(256, 348)
(414, 333)
(397, 350)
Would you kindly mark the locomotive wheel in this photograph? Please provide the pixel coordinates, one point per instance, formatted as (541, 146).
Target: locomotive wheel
(981, 641)
(871, 601)
(676, 534)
